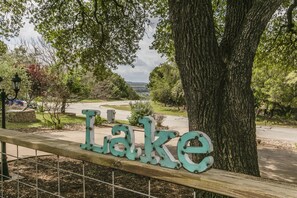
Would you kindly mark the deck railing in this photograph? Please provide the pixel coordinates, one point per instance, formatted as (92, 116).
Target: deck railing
(217, 181)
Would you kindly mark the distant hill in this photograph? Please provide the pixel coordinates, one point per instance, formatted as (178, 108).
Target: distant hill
(139, 87)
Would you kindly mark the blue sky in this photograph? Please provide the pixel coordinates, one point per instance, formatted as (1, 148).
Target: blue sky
(145, 62)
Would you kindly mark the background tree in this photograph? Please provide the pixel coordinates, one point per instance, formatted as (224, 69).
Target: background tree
(94, 34)
(8, 69)
(274, 64)
(165, 85)
(3, 48)
(11, 14)
(39, 79)
(112, 87)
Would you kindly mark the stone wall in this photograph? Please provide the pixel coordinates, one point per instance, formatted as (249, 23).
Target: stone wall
(21, 116)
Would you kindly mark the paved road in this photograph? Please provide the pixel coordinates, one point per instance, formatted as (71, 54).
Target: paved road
(181, 124)
(277, 133)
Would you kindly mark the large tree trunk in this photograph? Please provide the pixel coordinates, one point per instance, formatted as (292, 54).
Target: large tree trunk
(216, 76)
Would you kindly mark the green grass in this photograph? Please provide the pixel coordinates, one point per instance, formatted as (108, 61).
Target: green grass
(158, 108)
(98, 100)
(276, 121)
(122, 122)
(40, 122)
(174, 111)
(91, 101)
(119, 107)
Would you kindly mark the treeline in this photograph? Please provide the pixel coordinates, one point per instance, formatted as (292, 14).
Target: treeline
(274, 87)
(45, 76)
(165, 85)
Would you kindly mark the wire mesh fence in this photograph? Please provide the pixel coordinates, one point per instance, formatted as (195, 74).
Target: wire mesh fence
(46, 175)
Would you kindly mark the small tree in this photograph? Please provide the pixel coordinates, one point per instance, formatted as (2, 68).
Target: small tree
(39, 81)
(138, 110)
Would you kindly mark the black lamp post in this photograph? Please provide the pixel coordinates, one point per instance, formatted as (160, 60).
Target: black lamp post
(16, 81)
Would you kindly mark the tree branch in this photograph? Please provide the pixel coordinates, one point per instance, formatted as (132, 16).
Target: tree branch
(252, 29)
(82, 12)
(98, 22)
(290, 16)
(235, 15)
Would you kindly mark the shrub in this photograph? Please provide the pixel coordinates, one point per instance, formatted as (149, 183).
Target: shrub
(159, 119)
(138, 110)
(99, 121)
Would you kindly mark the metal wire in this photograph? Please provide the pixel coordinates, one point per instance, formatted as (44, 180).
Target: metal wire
(2, 180)
(149, 188)
(84, 180)
(113, 184)
(36, 173)
(59, 170)
(18, 171)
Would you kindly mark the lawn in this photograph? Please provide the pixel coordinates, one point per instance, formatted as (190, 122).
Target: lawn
(91, 101)
(158, 108)
(276, 121)
(40, 122)
(161, 109)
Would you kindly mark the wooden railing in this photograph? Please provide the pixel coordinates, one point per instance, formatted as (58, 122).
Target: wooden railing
(217, 181)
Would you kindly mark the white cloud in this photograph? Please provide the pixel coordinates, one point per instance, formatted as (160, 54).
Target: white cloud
(26, 33)
(146, 60)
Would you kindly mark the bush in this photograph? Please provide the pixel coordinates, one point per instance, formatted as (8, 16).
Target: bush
(138, 110)
(159, 119)
(99, 121)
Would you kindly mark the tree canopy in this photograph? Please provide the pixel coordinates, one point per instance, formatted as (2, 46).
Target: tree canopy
(95, 34)
(165, 85)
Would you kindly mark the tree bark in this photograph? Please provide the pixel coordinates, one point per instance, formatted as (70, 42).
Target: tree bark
(63, 106)
(216, 77)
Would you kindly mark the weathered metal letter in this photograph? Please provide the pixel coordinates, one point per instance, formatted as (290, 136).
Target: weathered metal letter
(151, 145)
(128, 142)
(183, 151)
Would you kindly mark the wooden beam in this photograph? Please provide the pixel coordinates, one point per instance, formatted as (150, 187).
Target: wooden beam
(218, 181)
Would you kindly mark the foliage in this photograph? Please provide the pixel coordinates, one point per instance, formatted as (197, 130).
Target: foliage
(11, 13)
(52, 101)
(99, 120)
(92, 34)
(278, 42)
(159, 118)
(113, 87)
(7, 71)
(165, 85)
(275, 65)
(163, 40)
(275, 88)
(3, 48)
(39, 80)
(138, 110)
(63, 88)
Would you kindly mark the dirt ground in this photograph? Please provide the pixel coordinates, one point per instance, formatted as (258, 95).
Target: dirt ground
(278, 160)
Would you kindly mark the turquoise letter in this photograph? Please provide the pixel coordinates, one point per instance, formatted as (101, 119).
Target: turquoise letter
(90, 143)
(90, 119)
(183, 149)
(151, 145)
(128, 143)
